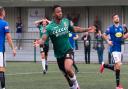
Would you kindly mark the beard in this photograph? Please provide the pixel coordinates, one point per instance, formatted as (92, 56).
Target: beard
(116, 22)
(59, 17)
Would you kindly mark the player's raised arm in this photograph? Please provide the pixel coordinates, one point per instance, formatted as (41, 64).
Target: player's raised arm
(80, 29)
(38, 21)
(48, 21)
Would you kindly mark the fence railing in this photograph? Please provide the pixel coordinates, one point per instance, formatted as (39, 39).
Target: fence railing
(29, 53)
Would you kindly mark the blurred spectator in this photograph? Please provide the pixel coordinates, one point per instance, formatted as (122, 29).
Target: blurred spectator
(87, 46)
(99, 46)
(125, 28)
(19, 29)
(69, 17)
(76, 42)
(97, 23)
(75, 20)
(123, 41)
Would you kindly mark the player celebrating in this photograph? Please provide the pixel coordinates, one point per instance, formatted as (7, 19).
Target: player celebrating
(58, 31)
(4, 32)
(116, 36)
(41, 24)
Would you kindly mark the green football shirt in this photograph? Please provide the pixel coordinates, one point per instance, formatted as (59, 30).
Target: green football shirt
(59, 35)
(41, 32)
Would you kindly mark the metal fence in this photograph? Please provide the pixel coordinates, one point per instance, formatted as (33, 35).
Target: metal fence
(29, 53)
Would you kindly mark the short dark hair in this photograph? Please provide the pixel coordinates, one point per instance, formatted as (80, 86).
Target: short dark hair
(114, 15)
(55, 6)
(1, 10)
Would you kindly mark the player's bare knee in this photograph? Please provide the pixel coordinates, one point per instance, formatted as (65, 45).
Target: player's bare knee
(118, 65)
(67, 68)
(68, 64)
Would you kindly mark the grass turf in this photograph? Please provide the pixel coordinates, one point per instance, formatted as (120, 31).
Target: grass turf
(28, 75)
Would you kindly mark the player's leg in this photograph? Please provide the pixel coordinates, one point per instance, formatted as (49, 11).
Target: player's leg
(107, 66)
(20, 41)
(74, 64)
(43, 62)
(117, 74)
(46, 61)
(68, 68)
(102, 52)
(85, 52)
(17, 40)
(70, 73)
(46, 49)
(2, 70)
(60, 62)
(88, 55)
(117, 58)
(42, 58)
(110, 66)
(109, 58)
(18, 44)
(98, 53)
(116, 67)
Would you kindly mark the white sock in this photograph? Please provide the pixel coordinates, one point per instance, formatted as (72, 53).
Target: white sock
(72, 87)
(74, 80)
(3, 88)
(43, 64)
(102, 63)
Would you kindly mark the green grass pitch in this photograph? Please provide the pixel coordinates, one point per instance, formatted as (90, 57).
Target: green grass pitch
(28, 75)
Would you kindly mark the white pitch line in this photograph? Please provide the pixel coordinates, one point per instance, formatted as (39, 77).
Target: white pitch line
(28, 73)
(24, 73)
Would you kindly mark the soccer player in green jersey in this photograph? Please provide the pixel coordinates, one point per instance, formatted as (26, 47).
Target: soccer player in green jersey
(58, 31)
(41, 24)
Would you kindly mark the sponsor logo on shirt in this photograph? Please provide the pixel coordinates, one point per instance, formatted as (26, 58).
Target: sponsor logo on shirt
(59, 31)
(118, 34)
